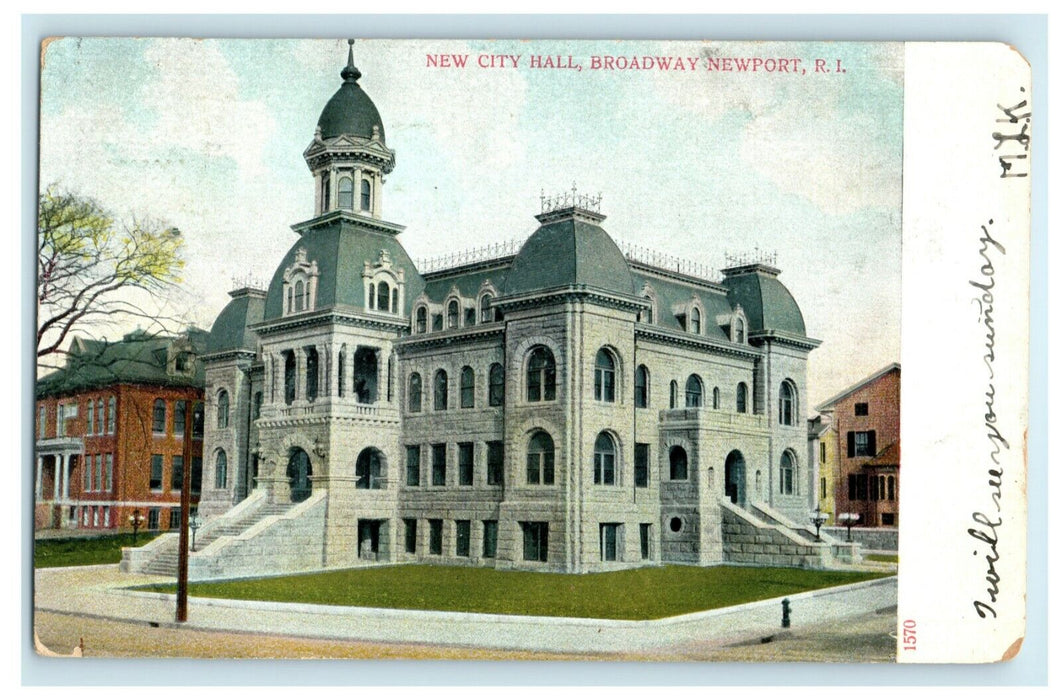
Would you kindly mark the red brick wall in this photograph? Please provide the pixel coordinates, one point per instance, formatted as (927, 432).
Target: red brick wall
(883, 416)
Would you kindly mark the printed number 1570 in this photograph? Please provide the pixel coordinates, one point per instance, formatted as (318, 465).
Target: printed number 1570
(909, 635)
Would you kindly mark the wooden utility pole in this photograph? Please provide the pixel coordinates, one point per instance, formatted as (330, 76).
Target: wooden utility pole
(186, 505)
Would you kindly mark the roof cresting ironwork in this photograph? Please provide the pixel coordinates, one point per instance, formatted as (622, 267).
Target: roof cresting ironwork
(567, 200)
(756, 256)
(494, 251)
(664, 261)
(247, 281)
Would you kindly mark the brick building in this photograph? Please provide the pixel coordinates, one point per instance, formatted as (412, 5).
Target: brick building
(864, 422)
(109, 433)
(560, 405)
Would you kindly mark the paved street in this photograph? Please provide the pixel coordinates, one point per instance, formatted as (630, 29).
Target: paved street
(81, 603)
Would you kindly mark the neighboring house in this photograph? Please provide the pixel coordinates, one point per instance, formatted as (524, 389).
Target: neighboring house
(822, 452)
(564, 406)
(109, 432)
(866, 421)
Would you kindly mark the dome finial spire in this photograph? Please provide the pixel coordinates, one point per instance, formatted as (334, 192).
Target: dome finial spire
(350, 73)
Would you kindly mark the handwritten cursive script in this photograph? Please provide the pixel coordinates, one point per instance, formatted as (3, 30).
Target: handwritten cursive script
(987, 526)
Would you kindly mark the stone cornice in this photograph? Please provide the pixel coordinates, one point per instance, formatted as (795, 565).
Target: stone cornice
(664, 335)
(785, 338)
(362, 222)
(579, 292)
(453, 336)
(237, 354)
(399, 324)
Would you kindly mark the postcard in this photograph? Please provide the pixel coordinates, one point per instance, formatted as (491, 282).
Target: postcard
(532, 349)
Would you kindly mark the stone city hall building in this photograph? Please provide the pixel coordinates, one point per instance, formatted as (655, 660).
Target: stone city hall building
(562, 406)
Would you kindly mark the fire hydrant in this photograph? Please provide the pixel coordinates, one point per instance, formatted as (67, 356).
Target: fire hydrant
(785, 613)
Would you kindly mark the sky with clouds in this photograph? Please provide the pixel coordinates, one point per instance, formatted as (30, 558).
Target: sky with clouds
(208, 136)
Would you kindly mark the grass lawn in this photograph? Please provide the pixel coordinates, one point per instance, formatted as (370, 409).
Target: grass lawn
(83, 551)
(634, 594)
(894, 558)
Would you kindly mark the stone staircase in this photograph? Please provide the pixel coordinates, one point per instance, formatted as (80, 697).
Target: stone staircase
(762, 537)
(165, 561)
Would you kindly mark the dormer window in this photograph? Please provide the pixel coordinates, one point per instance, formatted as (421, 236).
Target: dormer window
(384, 285)
(452, 314)
(300, 284)
(383, 297)
(739, 330)
(486, 313)
(422, 319)
(346, 193)
(366, 195)
(695, 321)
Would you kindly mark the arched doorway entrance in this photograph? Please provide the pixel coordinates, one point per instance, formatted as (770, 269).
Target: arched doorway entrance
(299, 472)
(369, 469)
(735, 477)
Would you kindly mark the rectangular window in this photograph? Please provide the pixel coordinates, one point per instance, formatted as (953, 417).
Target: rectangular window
(862, 409)
(411, 535)
(90, 414)
(641, 464)
(60, 420)
(822, 453)
(435, 536)
(86, 476)
(412, 465)
(158, 417)
(175, 518)
(177, 473)
(465, 454)
(98, 481)
(609, 538)
(153, 519)
(108, 473)
(180, 413)
(862, 443)
(156, 473)
(95, 516)
(106, 516)
(438, 465)
(495, 463)
(197, 420)
(822, 487)
(536, 541)
(888, 519)
(463, 532)
(111, 415)
(197, 474)
(490, 539)
(645, 530)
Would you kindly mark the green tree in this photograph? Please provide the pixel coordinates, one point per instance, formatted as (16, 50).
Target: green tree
(94, 271)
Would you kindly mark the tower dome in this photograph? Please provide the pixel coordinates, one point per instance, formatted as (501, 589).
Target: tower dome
(348, 155)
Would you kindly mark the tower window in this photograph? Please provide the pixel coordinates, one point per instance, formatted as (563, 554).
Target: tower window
(540, 459)
(604, 460)
(604, 377)
(383, 297)
(486, 313)
(452, 314)
(346, 193)
(694, 392)
(742, 398)
(787, 403)
(441, 391)
(541, 375)
(422, 320)
(641, 387)
(366, 195)
(695, 321)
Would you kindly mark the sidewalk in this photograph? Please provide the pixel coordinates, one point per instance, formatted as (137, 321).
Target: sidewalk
(97, 591)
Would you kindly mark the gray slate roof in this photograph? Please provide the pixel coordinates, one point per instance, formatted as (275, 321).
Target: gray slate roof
(766, 302)
(230, 331)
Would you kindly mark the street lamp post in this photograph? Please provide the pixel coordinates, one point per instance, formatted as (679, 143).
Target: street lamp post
(186, 505)
(848, 520)
(136, 520)
(193, 525)
(817, 519)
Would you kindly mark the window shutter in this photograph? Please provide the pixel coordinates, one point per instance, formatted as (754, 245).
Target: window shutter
(872, 443)
(851, 444)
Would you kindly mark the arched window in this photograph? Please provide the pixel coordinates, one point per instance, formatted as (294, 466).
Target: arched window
(111, 416)
(694, 392)
(383, 297)
(452, 314)
(221, 470)
(367, 469)
(641, 387)
(695, 321)
(158, 417)
(541, 375)
(341, 372)
(540, 459)
(739, 330)
(300, 296)
(787, 403)
(326, 193)
(742, 398)
(223, 409)
(422, 319)
(346, 193)
(604, 376)
(497, 385)
(785, 480)
(647, 314)
(674, 394)
(100, 424)
(604, 460)
(441, 390)
(289, 377)
(679, 464)
(468, 387)
(366, 195)
(486, 313)
(715, 398)
(414, 393)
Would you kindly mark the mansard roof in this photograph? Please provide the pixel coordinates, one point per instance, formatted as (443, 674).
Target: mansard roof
(230, 331)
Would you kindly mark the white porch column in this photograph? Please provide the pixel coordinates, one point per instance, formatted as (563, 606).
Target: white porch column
(57, 478)
(67, 473)
(38, 482)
